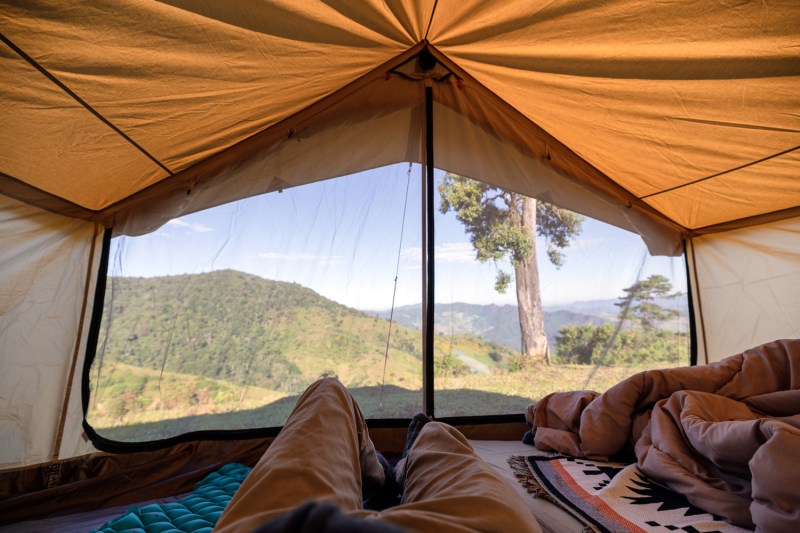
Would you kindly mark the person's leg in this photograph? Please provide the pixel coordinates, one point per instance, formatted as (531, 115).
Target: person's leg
(449, 488)
(323, 452)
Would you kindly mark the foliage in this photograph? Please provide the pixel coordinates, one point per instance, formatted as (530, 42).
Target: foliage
(521, 364)
(583, 344)
(492, 218)
(638, 304)
(557, 226)
(602, 345)
(170, 338)
(125, 392)
(472, 394)
(240, 328)
(252, 332)
(589, 345)
(503, 224)
(448, 365)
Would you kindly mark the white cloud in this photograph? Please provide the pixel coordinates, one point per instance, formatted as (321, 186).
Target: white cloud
(587, 245)
(281, 256)
(197, 228)
(287, 257)
(451, 252)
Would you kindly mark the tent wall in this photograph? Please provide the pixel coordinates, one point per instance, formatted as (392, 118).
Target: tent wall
(466, 148)
(49, 265)
(671, 119)
(462, 145)
(746, 287)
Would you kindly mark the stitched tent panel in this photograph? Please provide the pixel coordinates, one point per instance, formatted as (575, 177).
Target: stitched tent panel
(675, 121)
(107, 101)
(197, 513)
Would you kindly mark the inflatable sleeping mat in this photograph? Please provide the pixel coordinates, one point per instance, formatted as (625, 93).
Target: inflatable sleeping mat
(196, 513)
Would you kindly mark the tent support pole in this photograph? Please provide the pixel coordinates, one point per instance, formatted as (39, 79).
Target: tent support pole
(427, 352)
(692, 316)
(695, 313)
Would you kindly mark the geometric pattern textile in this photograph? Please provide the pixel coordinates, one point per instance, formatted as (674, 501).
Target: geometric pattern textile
(613, 497)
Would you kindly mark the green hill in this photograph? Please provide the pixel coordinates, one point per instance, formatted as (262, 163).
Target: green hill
(226, 349)
(243, 329)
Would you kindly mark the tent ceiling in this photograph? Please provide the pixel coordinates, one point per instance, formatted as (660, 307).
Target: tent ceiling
(687, 111)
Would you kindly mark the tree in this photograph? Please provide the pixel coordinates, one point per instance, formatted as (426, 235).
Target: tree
(582, 344)
(502, 224)
(449, 365)
(639, 304)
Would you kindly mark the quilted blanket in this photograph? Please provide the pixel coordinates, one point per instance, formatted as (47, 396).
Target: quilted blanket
(726, 435)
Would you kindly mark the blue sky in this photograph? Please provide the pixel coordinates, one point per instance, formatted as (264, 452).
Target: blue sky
(343, 239)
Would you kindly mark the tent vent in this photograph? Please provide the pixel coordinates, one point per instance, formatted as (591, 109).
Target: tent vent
(426, 60)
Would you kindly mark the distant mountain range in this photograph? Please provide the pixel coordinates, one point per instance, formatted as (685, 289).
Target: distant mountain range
(500, 323)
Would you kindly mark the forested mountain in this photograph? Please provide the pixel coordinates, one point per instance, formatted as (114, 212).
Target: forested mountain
(244, 329)
(194, 345)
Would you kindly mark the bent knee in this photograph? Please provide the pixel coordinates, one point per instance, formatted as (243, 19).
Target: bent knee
(438, 433)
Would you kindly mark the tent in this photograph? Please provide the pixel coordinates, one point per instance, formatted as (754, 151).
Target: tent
(677, 121)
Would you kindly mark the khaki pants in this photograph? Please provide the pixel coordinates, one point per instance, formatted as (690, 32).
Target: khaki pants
(324, 453)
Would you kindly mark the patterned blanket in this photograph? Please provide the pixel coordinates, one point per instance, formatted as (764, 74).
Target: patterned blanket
(613, 497)
(726, 435)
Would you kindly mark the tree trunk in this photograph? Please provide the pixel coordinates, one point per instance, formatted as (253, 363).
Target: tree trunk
(535, 346)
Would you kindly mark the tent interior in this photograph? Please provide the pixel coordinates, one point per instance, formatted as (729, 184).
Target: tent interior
(206, 205)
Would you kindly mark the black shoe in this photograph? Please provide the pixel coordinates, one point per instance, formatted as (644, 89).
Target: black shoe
(389, 494)
(418, 421)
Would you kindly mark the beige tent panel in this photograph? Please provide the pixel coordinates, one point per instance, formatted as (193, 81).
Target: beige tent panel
(747, 287)
(384, 118)
(46, 287)
(471, 151)
(307, 147)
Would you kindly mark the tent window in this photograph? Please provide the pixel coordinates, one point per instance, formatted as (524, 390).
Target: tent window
(220, 319)
(603, 309)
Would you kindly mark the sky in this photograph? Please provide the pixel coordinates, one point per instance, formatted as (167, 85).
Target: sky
(350, 238)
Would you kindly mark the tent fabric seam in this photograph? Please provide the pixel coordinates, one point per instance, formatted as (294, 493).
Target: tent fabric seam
(72, 94)
(722, 173)
(430, 20)
(107, 214)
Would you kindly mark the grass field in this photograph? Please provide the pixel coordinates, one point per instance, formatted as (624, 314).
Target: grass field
(135, 404)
